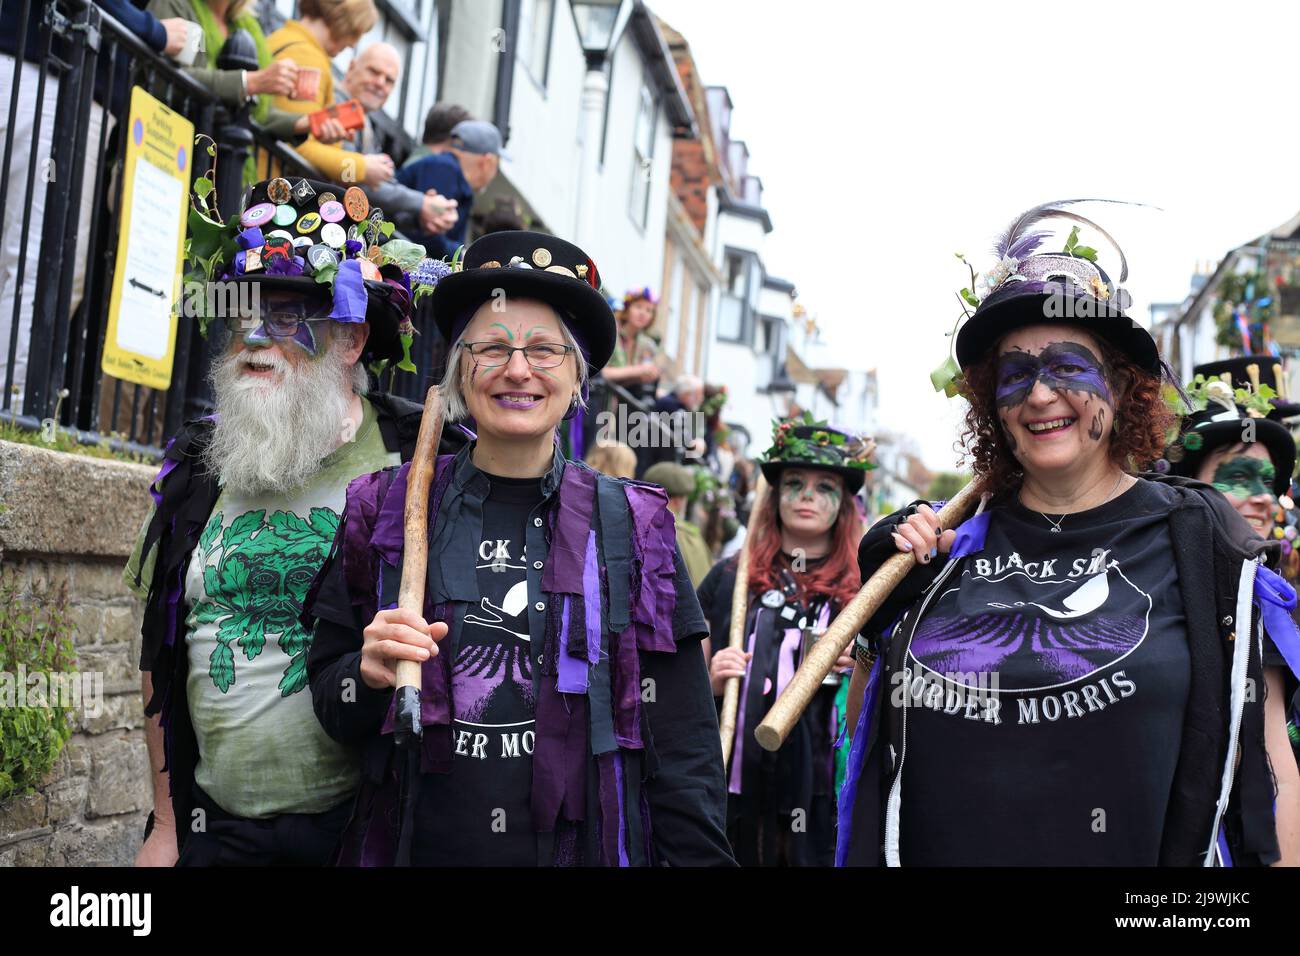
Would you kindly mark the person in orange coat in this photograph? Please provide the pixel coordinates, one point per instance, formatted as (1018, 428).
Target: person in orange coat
(325, 29)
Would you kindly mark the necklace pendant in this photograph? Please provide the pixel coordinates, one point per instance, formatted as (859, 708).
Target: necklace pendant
(1056, 530)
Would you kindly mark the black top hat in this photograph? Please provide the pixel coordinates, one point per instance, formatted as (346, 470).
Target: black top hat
(1223, 423)
(530, 265)
(1267, 370)
(330, 229)
(1031, 288)
(811, 444)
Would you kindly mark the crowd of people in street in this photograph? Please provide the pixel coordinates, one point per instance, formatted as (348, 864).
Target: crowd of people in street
(1091, 659)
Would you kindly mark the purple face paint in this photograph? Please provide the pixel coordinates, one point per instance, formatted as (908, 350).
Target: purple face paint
(305, 338)
(1065, 366)
(258, 336)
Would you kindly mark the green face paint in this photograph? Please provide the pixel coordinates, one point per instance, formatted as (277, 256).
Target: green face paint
(822, 493)
(501, 325)
(1244, 477)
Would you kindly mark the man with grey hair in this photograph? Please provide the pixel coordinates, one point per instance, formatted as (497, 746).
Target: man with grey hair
(676, 427)
(246, 507)
(370, 78)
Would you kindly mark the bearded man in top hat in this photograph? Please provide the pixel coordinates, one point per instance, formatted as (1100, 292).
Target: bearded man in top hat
(245, 508)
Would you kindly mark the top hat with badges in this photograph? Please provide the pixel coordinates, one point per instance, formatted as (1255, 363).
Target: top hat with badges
(529, 265)
(325, 240)
(1028, 287)
(1251, 372)
(807, 443)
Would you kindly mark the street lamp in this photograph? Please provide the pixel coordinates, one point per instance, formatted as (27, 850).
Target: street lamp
(596, 22)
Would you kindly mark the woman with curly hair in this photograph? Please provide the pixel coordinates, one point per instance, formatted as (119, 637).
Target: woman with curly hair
(781, 810)
(1079, 674)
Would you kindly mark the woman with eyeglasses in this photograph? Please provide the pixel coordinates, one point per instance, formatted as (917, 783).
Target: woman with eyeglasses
(567, 717)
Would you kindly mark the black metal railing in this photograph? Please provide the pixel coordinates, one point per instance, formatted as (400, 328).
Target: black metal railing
(92, 62)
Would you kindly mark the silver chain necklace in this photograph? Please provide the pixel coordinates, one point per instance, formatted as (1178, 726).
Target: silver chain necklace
(1056, 525)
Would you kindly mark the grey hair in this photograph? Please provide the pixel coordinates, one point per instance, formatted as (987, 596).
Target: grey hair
(687, 383)
(453, 396)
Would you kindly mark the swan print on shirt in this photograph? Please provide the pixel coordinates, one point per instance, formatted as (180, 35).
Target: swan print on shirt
(492, 683)
(1030, 641)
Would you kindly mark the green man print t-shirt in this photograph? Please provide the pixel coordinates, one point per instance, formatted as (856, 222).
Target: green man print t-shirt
(261, 750)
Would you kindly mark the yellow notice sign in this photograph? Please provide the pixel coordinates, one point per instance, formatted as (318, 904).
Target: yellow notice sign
(141, 340)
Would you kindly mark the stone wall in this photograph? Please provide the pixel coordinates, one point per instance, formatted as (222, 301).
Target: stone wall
(67, 519)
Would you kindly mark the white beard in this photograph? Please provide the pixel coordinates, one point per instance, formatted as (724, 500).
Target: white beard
(271, 434)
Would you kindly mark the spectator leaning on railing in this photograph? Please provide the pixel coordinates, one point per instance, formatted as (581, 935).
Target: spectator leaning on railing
(467, 166)
(33, 146)
(370, 79)
(218, 19)
(441, 119)
(325, 29)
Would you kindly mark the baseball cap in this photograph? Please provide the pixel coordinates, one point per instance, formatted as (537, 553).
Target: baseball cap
(478, 136)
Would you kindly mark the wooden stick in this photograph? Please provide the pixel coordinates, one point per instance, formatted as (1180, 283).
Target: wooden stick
(739, 610)
(785, 713)
(415, 561)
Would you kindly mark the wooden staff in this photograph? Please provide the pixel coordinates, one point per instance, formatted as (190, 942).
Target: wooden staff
(785, 713)
(407, 728)
(739, 608)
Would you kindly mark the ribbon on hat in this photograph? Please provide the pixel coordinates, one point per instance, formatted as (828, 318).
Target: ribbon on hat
(251, 238)
(286, 266)
(349, 293)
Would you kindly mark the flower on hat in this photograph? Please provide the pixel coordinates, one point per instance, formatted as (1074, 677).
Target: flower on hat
(1193, 441)
(1219, 390)
(1004, 269)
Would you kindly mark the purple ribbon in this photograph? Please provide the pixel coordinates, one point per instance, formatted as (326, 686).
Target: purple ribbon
(1277, 600)
(572, 670)
(853, 765)
(738, 745)
(591, 599)
(285, 266)
(251, 238)
(1223, 847)
(970, 536)
(785, 657)
(349, 293)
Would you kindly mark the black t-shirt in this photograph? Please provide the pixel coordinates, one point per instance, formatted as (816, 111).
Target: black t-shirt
(478, 814)
(1047, 690)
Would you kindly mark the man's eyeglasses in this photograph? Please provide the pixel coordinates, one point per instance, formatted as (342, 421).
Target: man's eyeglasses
(540, 355)
(280, 315)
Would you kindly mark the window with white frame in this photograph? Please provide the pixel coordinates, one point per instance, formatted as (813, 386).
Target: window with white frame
(533, 48)
(643, 144)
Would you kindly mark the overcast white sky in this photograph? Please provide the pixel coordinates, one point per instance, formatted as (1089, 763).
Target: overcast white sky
(890, 135)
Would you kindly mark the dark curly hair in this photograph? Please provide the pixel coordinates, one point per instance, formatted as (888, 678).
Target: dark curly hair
(1137, 437)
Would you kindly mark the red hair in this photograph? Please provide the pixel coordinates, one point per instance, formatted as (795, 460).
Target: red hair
(837, 577)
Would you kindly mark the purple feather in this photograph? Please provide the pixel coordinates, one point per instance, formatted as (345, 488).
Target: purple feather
(1018, 242)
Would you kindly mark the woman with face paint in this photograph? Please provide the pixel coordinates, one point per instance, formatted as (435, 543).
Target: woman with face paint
(555, 602)
(1233, 441)
(1089, 671)
(801, 572)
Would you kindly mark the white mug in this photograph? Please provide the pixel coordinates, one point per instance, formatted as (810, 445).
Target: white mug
(193, 41)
